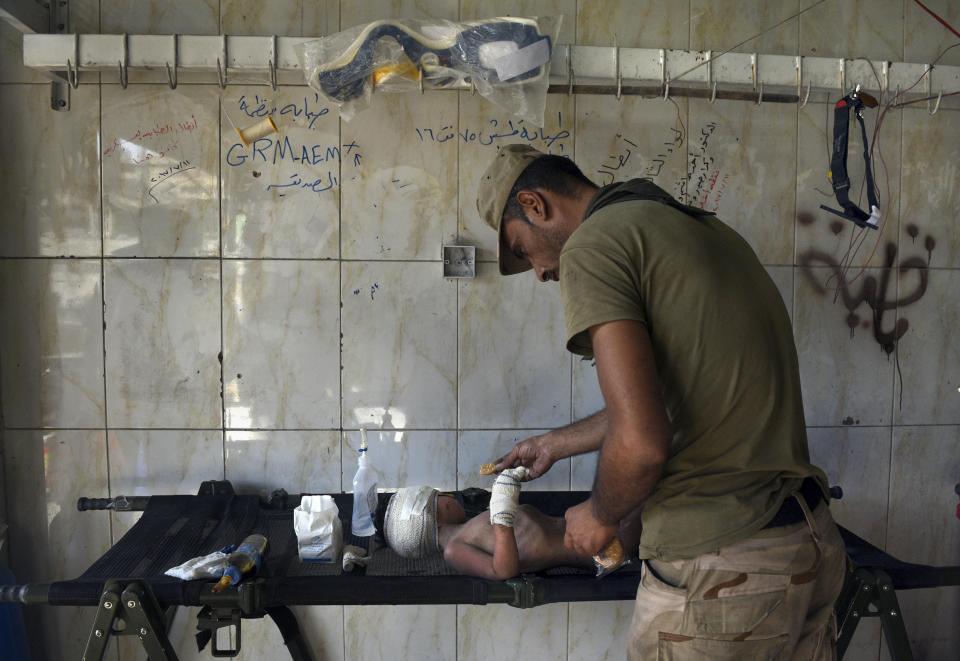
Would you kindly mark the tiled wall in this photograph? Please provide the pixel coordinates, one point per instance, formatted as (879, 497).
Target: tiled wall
(157, 331)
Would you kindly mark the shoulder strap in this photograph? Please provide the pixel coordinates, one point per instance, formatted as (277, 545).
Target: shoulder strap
(838, 165)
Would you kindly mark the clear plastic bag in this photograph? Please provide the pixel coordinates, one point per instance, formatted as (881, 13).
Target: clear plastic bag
(507, 60)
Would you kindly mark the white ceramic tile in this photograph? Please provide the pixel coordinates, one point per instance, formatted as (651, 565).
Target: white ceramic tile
(481, 447)
(823, 238)
(743, 166)
(929, 353)
(266, 212)
(719, 24)
(587, 398)
(404, 458)
(583, 470)
(159, 161)
(847, 376)
(163, 463)
(636, 24)
(49, 539)
(401, 203)
(931, 187)
(399, 345)
(356, 12)
(633, 137)
(51, 339)
(85, 16)
(163, 340)
(11, 58)
(514, 369)
(320, 18)
(923, 528)
(483, 632)
(279, 17)
(281, 362)
(384, 633)
(51, 191)
(483, 129)
(297, 461)
(159, 16)
(924, 38)
(857, 459)
(853, 29)
(782, 277)
(322, 628)
(472, 10)
(598, 630)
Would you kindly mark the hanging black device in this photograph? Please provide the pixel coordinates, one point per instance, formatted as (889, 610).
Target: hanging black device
(855, 101)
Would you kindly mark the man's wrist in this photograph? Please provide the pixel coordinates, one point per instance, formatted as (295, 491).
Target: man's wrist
(547, 446)
(601, 517)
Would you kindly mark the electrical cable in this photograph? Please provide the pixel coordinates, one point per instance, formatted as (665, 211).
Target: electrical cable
(938, 18)
(759, 34)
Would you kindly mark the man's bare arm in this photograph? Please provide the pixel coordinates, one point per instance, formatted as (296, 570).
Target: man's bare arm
(637, 440)
(539, 453)
(585, 435)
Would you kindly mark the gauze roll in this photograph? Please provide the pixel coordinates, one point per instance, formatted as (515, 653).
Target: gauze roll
(505, 497)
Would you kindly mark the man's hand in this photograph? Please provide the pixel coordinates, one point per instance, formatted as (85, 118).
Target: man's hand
(585, 533)
(534, 453)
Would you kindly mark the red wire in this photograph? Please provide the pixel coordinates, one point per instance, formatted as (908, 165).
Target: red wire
(940, 20)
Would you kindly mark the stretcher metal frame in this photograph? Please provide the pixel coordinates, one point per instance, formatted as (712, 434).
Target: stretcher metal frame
(142, 603)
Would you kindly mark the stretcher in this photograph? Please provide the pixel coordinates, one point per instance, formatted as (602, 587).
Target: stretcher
(133, 597)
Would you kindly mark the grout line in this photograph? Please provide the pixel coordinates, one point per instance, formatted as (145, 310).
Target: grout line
(223, 398)
(340, 260)
(886, 522)
(103, 304)
(456, 329)
(407, 429)
(211, 258)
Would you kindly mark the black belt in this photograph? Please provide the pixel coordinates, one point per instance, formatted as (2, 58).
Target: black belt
(790, 512)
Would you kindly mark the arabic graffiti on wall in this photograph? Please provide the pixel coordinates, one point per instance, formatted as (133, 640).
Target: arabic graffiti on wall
(878, 293)
(497, 131)
(704, 183)
(626, 150)
(166, 174)
(315, 162)
(308, 108)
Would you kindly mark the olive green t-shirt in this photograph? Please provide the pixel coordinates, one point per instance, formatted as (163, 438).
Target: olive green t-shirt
(725, 357)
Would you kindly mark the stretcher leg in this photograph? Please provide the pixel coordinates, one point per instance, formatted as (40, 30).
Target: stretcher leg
(129, 610)
(286, 622)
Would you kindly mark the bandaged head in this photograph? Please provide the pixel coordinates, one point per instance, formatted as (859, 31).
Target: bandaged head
(410, 523)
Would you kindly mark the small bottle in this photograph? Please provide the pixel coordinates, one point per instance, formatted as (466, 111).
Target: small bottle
(364, 493)
(245, 560)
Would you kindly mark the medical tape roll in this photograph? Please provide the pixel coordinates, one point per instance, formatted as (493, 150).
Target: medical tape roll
(261, 129)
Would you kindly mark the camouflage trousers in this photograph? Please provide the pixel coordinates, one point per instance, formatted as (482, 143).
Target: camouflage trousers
(767, 597)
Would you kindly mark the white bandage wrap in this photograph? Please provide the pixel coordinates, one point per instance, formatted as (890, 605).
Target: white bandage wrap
(505, 497)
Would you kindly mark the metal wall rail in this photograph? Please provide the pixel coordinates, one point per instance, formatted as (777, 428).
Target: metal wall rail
(599, 69)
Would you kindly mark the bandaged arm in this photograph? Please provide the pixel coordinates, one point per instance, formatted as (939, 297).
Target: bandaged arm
(504, 563)
(505, 496)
